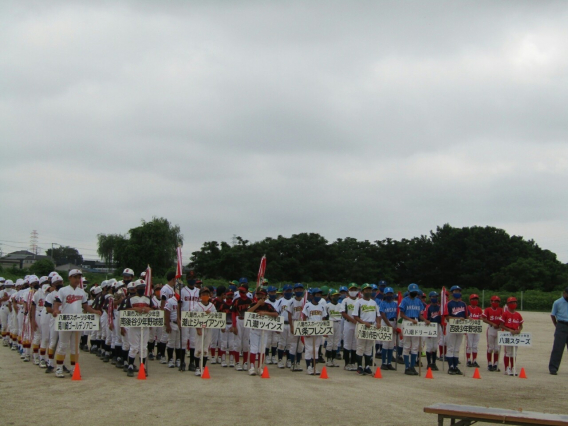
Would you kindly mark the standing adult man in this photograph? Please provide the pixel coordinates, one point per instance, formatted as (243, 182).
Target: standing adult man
(559, 317)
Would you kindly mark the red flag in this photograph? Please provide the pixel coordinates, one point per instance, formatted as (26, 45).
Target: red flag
(179, 270)
(444, 308)
(398, 305)
(261, 271)
(148, 277)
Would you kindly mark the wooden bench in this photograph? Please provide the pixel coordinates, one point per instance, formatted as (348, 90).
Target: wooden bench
(465, 415)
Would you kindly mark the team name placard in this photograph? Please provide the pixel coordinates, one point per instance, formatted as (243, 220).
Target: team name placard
(470, 326)
(508, 339)
(419, 330)
(373, 333)
(136, 319)
(313, 328)
(263, 322)
(76, 322)
(203, 319)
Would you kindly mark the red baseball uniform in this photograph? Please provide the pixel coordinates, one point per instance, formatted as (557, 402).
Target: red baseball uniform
(493, 315)
(512, 320)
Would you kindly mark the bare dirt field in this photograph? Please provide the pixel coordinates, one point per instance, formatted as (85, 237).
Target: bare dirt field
(106, 396)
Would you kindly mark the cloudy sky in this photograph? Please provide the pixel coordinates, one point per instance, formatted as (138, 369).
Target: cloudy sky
(362, 119)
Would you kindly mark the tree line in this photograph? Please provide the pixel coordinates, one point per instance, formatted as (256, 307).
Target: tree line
(486, 258)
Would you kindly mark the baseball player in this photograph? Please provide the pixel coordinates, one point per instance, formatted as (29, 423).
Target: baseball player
(411, 309)
(511, 321)
(474, 312)
(189, 297)
(155, 332)
(433, 314)
(240, 305)
(215, 346)
(166, 293)
(203, 334)
(313, 311)
(387, 308)
(261, 307)
(349, 337)
(35, 317)
(56, 285)
(334, 315)
(366, 312)
(457, 309)
(225, 300)
(281, 307)
(271, 336)
(71, 299)
(492, 317)
(171, 319)
(5, 310)
(295, 344)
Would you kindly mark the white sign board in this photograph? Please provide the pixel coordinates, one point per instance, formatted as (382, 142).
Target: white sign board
(508, 339)
(384, 334)
(203, 319)
(136, 319)
(469, 326)
(313, 328)
(263, 322)
(419, 330)
(76, 322)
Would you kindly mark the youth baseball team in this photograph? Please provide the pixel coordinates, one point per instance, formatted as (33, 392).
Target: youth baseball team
(29, 308)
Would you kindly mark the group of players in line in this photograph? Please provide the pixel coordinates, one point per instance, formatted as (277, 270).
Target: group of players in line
(29, 306)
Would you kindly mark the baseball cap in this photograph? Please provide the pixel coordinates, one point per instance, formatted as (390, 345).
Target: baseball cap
(128, 271)
(43, 280)
(52, 274)
(2, 279)
(8, 283)
(74, 272)
(140, 283)
(45, 287)
(56, 278)
(143, 274)
(33, 279)
(96, 290)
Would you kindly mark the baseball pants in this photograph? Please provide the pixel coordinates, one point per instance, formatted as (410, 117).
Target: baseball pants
(472, 343)
(334, 340)
(138, 340)
(432, 343)
(283, 343)
(4, 314)
(66, 343)
(242, 339)
(206, 335)
(349, 337)
(227, 339)
(295, 344)
(313, 344)
(365, 347)
(454, 341)
(492, 340)
(173, 337)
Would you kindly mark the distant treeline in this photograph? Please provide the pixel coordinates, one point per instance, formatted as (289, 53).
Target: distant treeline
(485, 258)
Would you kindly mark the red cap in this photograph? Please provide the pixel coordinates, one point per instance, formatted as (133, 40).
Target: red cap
(473, 296)
(495, 299)
(511, 299)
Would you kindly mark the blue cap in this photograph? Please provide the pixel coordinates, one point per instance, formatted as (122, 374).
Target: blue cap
(405, 294)
(343, 288)
(287, 287)
(298, 285)
(374, 286)
(413, 287)
(271, 288)
(388, 290)
(243, 281)
(382, 283)
(315, 290)
(233, 288)
(456, 287)
(432, 294)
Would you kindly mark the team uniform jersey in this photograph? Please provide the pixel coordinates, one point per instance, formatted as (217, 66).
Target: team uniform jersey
(348, 306)
(8, 292)
(457, 308)
(172, 307)
(138, 302)
(389, 308)
(267, 307)
(295, 308)
(512, 320)
(240, 306)
(314, 312)
(334, 311)
(189, 298)
(200, 307)
(222, 306)
(474, 312)
(366, 310)
(493, 315)
(281, 307)
(411, 307)
(433, 313)
(39, 299)
(166, 292)
(71, 300)
(50, 299)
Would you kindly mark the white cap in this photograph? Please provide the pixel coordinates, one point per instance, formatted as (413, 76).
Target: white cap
(26, 277)
(112, 282)
(26, 280)
(104, 284)
(56, 278)
(131, 284)
(33, 279)
(128, 271)
(143, 274)
(45, 287)
(2, 279)
(43, 280)
(96, 290)
(19, 281)
(52, 274)
(8, 283)
(138, 283)
(75, 272)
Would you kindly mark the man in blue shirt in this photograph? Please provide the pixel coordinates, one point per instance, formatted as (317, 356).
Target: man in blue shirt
(411, 309)
(560, 320)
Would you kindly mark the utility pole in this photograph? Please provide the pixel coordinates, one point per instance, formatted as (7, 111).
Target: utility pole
(33, 242)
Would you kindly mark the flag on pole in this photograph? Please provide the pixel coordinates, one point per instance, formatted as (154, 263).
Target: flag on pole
(110, 312)
(444, 308)
(148, 277)
(179, 270)
(261, 271)
(398, 304)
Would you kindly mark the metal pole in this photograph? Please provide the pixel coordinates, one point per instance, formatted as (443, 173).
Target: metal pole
(522, 300)
(483, 299)
(420, 356)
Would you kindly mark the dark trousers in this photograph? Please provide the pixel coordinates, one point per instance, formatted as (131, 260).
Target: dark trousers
(560, 340)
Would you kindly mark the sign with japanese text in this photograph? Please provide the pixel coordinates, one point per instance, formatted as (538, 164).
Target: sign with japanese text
(373, 333)
(263, 322)
(76, 322)
(419, 330)
(137, 319)
(313, 328)
(203, 319)
(469, 326)
(508, 339)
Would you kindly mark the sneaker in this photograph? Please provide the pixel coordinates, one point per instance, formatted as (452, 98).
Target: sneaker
(321, 360)
(198, 371)
(59, 373)
(434, 367)
(281, 364)
(130, 372)
(113, 360)
(65, 370)
(458, 372)
(106, 358)
(390, 367)
(191, 367)
(36, 361)
(368, 370)
(508, 371)
(213, 360)
(475, 364)
(268, 360)
(252, 371)
(297, 367)
(178, 362)
(125, 368)
(182, 366)
(27, 358)
(151, 357)
(223, 363)
(245, 366)
(288, 364)
(334, 364)
(310, 370)
(49, 369)
(360, 371)
(469, 364)
(93, 349)
(408, 372)
(339, 356)
(42, 363)
(238, 367)
(163, 360)
(158, 357)
(171, 364)
(384, 367)
(329, 363)
(490, 368)
(451, 372)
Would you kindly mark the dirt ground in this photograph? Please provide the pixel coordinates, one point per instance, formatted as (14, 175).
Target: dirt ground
(106, 396)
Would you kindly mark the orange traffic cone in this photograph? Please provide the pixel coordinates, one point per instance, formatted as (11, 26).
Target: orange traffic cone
(476, 374)
(142, 372)
(76, 373)
(378, 374)
(205, 373)
(323, 374)
(429, 374)
(523, 375)
(265, 374)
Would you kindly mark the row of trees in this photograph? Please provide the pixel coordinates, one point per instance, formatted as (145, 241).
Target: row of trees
(481, 257)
